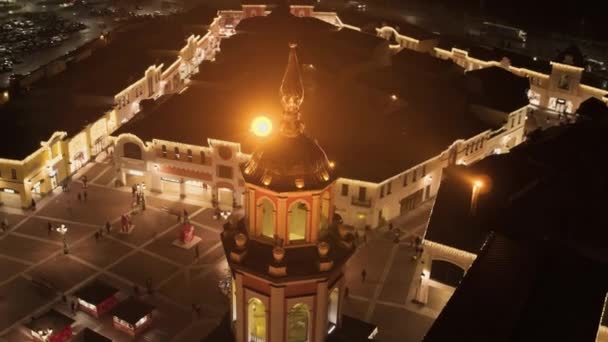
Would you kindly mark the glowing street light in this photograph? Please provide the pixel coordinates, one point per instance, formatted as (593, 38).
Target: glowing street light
(63, 230)
(261, 126)
(477, 185)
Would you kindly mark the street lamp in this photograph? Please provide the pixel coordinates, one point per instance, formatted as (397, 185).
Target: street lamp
(477, 185)
(63, 230)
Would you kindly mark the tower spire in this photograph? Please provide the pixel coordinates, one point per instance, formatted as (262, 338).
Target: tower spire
(292, 95)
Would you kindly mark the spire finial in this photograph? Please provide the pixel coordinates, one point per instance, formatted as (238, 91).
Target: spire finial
(292, 95)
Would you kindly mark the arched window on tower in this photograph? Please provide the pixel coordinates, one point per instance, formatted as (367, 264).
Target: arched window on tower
(298, 221)
(256, 318)
(297, 323)
(266, 213)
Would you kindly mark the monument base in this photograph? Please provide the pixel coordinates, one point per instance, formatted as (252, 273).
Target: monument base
(192, 243)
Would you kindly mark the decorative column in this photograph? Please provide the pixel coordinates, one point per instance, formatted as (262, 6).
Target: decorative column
(282, 219)
(241, 309)
(313, 232)
(320, 325)
(252, 208)
(182, 188)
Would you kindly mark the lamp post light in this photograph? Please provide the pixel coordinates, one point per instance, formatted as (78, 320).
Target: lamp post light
(63, 230)
(477, 185)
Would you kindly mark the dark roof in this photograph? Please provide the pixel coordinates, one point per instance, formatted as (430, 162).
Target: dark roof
(52, 319)
(95, 292)
(521, 291)
(490, 53)
(132, 310)
(367, 22)
(85, 90)
(452, 223)
(593, 108)
(497, 89)
(88, 335)
(352, 330)
(344, 115)
(573, 52)
(594, 80)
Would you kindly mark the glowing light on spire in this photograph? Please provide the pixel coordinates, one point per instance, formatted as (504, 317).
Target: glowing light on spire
(261, 126)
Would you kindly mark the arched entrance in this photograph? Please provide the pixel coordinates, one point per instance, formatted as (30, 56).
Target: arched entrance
(298, 220)
(132, 150)
(446, 272)
(256, 318)
(225, 198)
(297, 323)
(266, 214)
(325, 203)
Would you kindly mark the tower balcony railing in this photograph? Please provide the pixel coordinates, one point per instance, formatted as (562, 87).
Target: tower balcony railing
(361, 202)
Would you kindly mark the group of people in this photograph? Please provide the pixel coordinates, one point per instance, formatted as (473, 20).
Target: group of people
(138, 196)
(126, 223)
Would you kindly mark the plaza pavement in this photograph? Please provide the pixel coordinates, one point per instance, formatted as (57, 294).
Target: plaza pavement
(34, 272)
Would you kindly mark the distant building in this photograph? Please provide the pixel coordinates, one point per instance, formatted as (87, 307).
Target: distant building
(512, 233)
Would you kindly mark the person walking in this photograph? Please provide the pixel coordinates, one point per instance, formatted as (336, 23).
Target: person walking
(84, 181)
(196, 251)
(4, 224)
(108, 227)
(84, 194)
(33, 204)
(79, 196)
(363, 275)
(198, 310)
(49, 226)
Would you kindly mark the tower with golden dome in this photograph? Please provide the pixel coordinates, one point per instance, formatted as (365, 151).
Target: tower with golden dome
(286, 255)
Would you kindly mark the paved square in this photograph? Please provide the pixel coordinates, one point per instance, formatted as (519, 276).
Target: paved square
(9, 268)
(100, 253)
(19, 298)
(38, 228)
(163, 245)
(102, 204)
(62, 272)
(27, 249)
(148, 225)
(141, 267)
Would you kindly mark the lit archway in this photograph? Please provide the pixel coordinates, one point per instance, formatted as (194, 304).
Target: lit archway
(266, 213)
(132, 150)
(256, 318)
(297, 323)
(298, 221)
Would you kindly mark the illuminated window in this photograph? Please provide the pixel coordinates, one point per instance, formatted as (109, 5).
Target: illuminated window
(297, 323)
(267, 214)
(389, 188)
(256, 318)
(189, 155)
(405, 180)
(344, 191)
(414, 175)
(382, 191)
(176, 152)
(362, 193)
(164, 149)
(298, 220)
(423, 170)
(564, 82)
